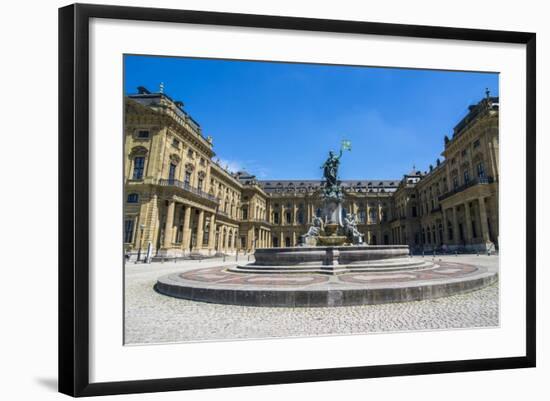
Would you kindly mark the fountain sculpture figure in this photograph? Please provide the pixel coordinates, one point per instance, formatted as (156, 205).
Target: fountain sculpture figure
(332, 227)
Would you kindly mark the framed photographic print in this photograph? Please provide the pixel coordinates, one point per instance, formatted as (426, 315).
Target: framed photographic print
(251, 199)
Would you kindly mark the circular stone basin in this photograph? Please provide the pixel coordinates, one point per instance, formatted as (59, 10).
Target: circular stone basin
(219, 285)
(327, 255)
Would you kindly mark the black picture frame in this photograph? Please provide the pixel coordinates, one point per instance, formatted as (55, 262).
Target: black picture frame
(74, 199)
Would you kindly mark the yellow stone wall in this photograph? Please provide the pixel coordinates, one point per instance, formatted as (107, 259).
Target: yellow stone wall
(185, 203)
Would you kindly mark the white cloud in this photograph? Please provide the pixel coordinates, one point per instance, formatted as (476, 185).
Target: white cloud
(231, 165)
(250, 166)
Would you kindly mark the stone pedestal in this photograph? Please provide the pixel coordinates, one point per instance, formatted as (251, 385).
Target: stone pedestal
(332, 212)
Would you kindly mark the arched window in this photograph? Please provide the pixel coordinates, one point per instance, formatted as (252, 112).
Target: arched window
(300, 216)
(373, 240)
(287, 242)
(172, 172)
(139, 166)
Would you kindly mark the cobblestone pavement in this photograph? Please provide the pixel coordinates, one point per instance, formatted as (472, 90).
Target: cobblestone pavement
(154, 318)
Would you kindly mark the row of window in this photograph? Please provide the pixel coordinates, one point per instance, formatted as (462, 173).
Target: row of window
(480, 171)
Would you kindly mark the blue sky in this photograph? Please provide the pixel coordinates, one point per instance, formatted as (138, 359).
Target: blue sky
(279, 120)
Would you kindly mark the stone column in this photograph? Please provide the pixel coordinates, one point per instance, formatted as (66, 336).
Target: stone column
(212, 233)
(468, 222)
(187, 228)
(226, 241)
(456, 231)
(483, 220)
(282, 241)
(200, 228)
(168, 229)
(445, 238)
(492, 160)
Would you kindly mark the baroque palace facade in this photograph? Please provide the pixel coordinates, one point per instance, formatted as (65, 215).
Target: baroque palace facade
(180, 202)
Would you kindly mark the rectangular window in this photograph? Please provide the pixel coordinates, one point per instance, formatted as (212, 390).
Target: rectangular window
(143, 134)
(172, 172)
(132, 198)
(480, 170)
(455, 182)
(466, 176)
(288, 218)
(476, 143)
(175, 143)
(199, 183)
(139, 164)
(276, 218)
(128, 231)
(187, 178)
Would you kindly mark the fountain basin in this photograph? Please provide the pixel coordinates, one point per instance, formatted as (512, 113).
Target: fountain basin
(327, 255)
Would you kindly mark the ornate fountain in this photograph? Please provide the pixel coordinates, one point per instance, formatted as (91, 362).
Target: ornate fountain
(331, 267)
(332, 227)
(332, 244)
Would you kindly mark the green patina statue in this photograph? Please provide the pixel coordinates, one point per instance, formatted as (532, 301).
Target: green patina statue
(330, 172)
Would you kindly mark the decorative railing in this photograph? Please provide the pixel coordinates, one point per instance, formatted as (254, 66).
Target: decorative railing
(471, 183)
(188, 188)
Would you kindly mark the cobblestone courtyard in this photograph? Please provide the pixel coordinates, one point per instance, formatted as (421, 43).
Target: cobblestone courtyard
(154, 318)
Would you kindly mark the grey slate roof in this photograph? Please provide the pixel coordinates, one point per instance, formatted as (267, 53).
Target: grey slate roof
(312, 185)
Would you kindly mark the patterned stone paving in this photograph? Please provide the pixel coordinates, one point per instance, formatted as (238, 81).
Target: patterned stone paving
(219, 275)
(219, 284)
(151, 317)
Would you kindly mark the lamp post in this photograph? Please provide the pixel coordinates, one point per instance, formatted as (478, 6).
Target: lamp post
(141, 227)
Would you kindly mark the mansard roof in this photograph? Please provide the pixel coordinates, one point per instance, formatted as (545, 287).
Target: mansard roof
(360, 185)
